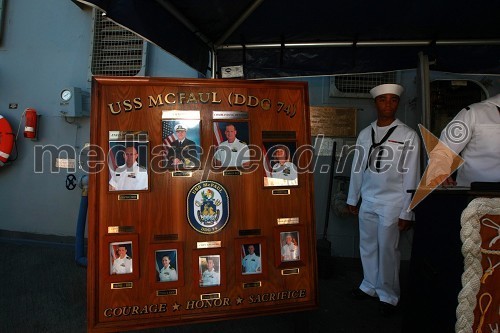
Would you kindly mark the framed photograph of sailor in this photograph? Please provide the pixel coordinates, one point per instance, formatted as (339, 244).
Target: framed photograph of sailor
(181, 139)
(209, 269)
(280, 167)
(167, 261)
(121, 257)
(231, 141)
(128, 161)
(289, 248)
(250, 256)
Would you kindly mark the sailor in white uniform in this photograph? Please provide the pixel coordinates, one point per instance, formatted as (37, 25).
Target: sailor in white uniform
(167, 272)
(129, 176)
(251, 262)
(474, 133)
(122, 264)
(283, 168)
(232, 152)
(210, 277)
(290, 251)
(384, 168)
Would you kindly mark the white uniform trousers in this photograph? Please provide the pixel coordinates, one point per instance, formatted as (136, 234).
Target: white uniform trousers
(379, 250)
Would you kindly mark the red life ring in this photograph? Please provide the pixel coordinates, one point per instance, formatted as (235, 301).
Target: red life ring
(6, 140)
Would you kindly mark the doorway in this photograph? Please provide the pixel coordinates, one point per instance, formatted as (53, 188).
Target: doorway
(448, 97)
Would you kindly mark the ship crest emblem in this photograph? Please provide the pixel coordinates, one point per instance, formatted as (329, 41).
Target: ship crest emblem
(208, 207)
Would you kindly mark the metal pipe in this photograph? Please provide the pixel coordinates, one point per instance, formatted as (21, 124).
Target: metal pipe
(80, 257)
(361, 44)
(213, 60)
(469, 42)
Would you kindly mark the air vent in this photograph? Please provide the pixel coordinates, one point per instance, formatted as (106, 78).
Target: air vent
(115, 50)
(359, 85)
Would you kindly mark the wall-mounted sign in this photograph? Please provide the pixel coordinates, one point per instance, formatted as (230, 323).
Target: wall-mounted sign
(330, 121)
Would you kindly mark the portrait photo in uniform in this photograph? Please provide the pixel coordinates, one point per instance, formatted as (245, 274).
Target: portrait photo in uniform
(181, 141)
(290, 247)
(166, 265)
(251, 262)
(128, 161)
(231, 140)
(280, 169)
(209, 268)
(120, 258)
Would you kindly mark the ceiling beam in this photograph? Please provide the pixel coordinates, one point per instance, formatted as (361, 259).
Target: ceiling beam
(185, 21)
(238, 22)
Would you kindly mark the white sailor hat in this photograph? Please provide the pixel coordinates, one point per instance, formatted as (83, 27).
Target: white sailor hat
(180, 127)
(382, 89)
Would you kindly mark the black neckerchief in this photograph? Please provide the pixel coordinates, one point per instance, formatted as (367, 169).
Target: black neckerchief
(377, 144)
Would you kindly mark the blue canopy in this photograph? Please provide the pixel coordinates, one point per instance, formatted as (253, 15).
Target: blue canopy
(278, 38)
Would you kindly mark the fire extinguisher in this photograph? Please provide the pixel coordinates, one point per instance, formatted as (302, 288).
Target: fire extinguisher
(30, 125)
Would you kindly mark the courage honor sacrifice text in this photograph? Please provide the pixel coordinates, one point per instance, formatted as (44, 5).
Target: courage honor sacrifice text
(133, 310)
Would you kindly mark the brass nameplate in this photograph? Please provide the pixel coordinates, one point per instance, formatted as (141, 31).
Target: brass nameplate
(128, 197)
(208, 245)
(268, 135)
(122, 285)
(281, 192)
(250, 232)
(210, 296)
(119, 229)
(229, 115)
(168, 237)
(290, 271)
(182, 174)
(231, 173)
(330, 121)
(288, 220)
(257, 284)
(180, 114)
(166, 292)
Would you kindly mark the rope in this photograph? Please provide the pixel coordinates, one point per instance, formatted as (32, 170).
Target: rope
(483, 310)
(497, 252)
(471, 250)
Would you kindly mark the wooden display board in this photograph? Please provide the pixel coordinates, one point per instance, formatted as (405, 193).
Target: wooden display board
(234, 228)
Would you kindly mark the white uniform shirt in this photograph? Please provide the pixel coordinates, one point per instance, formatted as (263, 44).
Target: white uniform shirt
(210, 278)
(290, 252)
(122, 266)
(287, 171)
(238, 151)
(478, 142)
(401, 173)
(168, 274)
(251, 263)
(134, 178)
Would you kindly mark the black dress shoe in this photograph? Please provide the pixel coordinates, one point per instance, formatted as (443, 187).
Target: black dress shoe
(360, 294)
(386, 309)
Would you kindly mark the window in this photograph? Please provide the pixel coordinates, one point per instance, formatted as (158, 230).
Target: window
(359, 85)
(115, 50)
